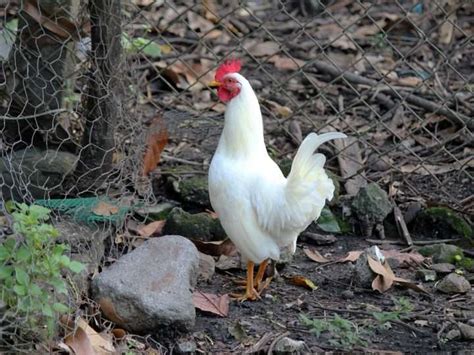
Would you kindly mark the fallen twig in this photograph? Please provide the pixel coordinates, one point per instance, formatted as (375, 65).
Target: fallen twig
(428, 105)
(401, 225)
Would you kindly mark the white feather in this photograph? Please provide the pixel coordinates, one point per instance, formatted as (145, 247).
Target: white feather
(260, 210)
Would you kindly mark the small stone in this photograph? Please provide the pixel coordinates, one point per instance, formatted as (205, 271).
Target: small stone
(363, 274)
(347, 294)
(467, 331)
(371, 205)
(443, 268)
(452, 334)
(186, 347)
(454, 283)
(150, 287)
(318, 239)
(426, 275)
(207, 266)
(287, 345)
(199, 226)
(470, 321)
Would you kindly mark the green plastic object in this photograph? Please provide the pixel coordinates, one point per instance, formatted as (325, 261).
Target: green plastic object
(83, 209)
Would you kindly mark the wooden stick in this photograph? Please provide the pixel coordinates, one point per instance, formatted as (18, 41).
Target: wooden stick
(401, 225)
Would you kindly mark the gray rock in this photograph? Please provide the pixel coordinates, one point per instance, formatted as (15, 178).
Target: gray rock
(426, 275)
(454, 283)
(193, 190)
(207, 267)
(467, 331)
(318, 239)
(443, 268)
(40, 172)
(186, 347)
(441, 253)
(371, 205)
(199, 226)
(287, 345)
(452, 334)
(149, 289)
(347, 294)
(363, 275)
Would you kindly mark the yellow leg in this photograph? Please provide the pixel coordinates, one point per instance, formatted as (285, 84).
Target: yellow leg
(250, 292)
(260, 273)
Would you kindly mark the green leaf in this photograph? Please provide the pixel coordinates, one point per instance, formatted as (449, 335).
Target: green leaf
(76, 266)
(22, 276)
(328, 222)
(20, 290)
(6, 272)
(65, 261)
(35, 290)
(39, 212)
(9, 245)
(12, 25)
(4, 254)
(47, 310)
(23, 253)
(58, 284)
(60, 308)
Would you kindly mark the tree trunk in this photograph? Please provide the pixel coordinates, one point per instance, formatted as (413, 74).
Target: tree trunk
(103, 102)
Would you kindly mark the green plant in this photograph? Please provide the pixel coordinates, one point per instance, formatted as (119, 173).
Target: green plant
(402, 307)
(343, 333)
(31, 263)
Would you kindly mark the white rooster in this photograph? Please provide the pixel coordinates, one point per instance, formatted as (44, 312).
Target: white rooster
(261, 210)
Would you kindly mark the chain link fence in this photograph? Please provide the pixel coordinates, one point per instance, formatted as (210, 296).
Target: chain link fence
(91, 93)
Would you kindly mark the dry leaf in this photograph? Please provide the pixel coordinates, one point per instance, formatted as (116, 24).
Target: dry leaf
(286, 63)
(282, 111)
(209, 302)
(198, 23)
(299, 280)
(409, 284)
(370, 30)
(428, 169)
(351, 164)
(262, 49)
(385, 277)
(105, 209)
(405, 259)
(409, 81)
(351, 256)
(314, 255)
(156, 141)
(223, 247)
(86, 341)
(149, 229)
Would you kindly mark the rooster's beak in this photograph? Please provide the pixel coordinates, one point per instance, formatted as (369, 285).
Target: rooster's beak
(214, 84)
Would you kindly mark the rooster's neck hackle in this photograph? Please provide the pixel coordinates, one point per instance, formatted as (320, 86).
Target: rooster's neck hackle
(243, 127)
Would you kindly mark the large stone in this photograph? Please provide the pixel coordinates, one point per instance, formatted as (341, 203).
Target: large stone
(199, 226)
(442, 223)
(442, 253)
(289, 346)
(40, 172)
(467, 331)
(371, 205)
(193, 191)
(149, 289)
(443, 268)
(454, 283)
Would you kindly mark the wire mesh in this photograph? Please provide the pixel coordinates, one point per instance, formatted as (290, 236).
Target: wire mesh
(83, 86)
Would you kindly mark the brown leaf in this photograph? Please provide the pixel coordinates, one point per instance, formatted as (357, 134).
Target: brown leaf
(223, 247)
(405, 259)
(84, 340)
(282, 111)
(314, 255)
(299, 280)
(409, 81)
(105, 209)
(286, 63)
(209, 302)
(370, 30)
(385, 277)
(428, 169)
(149, 229)
(156, 141)
(351, 256)
(409, 284)
(263, 49)
(351, 164)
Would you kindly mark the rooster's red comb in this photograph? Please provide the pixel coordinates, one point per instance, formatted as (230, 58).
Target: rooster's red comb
(229, 66)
